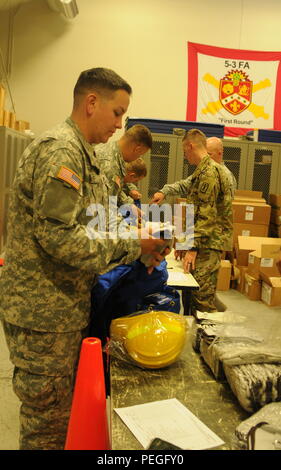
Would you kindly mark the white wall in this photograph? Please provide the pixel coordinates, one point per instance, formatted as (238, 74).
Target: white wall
(145, 41)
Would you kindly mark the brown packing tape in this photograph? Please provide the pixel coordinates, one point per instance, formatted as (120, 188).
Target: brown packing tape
(1, 117)
(249, 200)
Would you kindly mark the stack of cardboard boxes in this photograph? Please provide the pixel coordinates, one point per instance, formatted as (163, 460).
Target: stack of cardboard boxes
(251, 214)
(8, 118)
(251, 217)
(255, 255)
(259, 278)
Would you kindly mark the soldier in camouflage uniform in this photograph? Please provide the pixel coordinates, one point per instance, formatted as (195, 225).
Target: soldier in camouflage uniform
(215, 150)
(113, 157)
(209, 191)
(51, 263)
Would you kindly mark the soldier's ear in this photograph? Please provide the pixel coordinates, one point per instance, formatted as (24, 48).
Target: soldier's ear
(91, 102)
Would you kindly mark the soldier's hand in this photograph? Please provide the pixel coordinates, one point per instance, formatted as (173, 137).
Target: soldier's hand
(155, 248)
(135, 194)
(189, 261)
(179, 254)
(157, 198)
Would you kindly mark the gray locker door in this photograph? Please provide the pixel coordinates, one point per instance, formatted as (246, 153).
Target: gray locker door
(262, 168)
(235, 158)
(234, 155)
(161, 162)
(12, 145)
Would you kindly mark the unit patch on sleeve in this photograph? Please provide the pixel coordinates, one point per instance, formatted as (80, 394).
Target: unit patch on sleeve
(203, 188)
(69, 176)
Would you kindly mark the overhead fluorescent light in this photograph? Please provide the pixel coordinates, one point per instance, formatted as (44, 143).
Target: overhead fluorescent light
(67, 8)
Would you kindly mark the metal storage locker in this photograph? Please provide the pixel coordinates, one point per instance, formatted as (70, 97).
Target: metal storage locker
(235, 155)
(263, 167)
(160, 165)
(12, 145)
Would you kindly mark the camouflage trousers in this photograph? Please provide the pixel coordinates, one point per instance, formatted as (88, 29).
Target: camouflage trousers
(207, 266)
(44, 375)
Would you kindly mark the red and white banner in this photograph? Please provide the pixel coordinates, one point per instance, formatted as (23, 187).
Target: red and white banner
(237, 88)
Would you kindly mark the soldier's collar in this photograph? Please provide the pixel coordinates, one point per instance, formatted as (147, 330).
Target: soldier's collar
(201, 165)
(121, 161)
(89, 149)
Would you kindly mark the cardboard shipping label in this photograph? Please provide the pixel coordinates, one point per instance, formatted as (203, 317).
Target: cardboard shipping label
(267, 262)
(251, 259)
(249, 216)
(266, 293)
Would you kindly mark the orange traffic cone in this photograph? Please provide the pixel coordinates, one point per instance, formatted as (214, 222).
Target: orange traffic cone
(87, 427)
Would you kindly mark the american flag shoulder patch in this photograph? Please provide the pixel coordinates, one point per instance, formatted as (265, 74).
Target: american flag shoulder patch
(69, 176)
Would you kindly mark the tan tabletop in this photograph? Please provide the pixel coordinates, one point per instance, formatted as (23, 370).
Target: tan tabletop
(189, 380)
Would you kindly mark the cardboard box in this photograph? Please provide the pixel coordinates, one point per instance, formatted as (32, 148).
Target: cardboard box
(22, 125)
(251, 213)
(271, 291)
(249, 230)
(6, 118)
(241, 278)
(252, 287)
(245, 245)
(12, 123)
(224, 275)
(263, 261)
(247, 194)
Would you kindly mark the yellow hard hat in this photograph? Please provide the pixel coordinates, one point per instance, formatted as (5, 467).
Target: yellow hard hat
(152, 339)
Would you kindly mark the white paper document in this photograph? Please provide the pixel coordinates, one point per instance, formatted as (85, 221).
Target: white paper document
(176, 278)
(170, 421)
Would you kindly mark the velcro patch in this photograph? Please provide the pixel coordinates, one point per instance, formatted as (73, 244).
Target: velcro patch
(204, 188)
(69, 176)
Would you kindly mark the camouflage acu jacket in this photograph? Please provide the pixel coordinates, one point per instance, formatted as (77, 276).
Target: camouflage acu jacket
(112, 164)
(50, 261)
(209, 190)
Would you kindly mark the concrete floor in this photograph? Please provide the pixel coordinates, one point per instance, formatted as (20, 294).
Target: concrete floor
(9, 404)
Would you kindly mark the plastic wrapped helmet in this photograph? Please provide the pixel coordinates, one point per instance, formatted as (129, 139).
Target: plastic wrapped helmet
(152, 339)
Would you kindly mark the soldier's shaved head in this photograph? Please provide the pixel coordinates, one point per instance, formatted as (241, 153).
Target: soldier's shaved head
(101, 80)
(215, 149)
